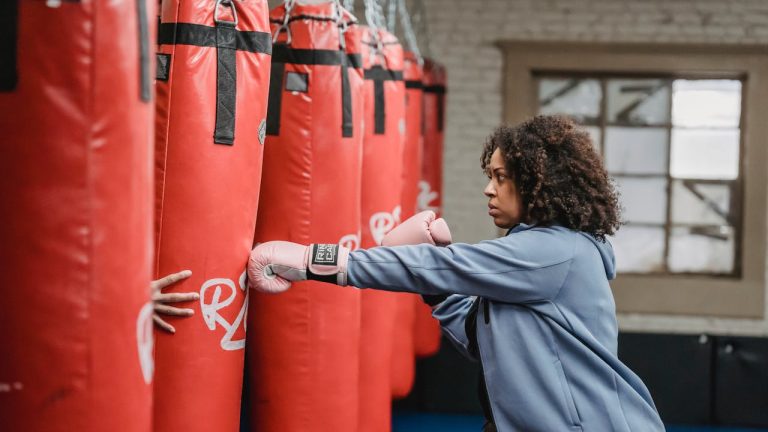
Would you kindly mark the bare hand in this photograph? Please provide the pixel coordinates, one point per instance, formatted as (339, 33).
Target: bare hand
(159, 299)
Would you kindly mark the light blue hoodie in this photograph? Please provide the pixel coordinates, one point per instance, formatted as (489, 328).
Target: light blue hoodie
(546, 331)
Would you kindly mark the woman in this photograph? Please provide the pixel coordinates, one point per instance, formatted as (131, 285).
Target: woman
(534, 307)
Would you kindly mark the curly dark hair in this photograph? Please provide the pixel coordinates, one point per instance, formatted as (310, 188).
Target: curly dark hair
(559, 174)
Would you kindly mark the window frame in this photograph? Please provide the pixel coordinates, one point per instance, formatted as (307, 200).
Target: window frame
(741, 295)
(603, 124)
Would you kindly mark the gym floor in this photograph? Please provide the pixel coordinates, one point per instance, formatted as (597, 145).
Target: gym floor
(406, 422)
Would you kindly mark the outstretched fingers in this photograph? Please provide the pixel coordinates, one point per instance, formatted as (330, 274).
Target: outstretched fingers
(162, 324)
(170, 280)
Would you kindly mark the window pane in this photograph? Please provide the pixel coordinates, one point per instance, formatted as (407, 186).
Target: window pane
(638, 101)
(636, 150)
(700, 203)
(701, 250)
(639, 249)
(706, 103)
(705, 153)
(579, 99)
(643, 200)
(594, 132)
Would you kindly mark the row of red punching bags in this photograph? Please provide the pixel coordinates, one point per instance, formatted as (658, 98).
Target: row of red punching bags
(331, 134)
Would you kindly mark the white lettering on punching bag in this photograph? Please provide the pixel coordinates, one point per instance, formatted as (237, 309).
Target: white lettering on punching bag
(145, 341)
(426, 196)
(210, 310)
(382, 222)
(350, 241)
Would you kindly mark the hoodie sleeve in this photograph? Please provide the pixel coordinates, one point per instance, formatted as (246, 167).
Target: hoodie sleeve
(523, 267)
(452, 314)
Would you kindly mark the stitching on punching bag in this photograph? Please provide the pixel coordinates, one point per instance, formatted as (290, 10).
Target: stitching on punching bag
(9, 22)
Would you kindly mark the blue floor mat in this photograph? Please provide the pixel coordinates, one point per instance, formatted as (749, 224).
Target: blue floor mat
(406, 422)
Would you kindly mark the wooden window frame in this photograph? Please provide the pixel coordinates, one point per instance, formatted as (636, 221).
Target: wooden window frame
(742, 296)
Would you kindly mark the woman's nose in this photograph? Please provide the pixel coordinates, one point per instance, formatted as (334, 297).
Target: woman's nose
(489, 191)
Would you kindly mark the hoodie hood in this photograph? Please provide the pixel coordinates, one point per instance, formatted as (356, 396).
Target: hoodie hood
(606, 253)
(605, 249)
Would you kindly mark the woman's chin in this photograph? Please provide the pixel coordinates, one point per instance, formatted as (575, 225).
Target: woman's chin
(502, 223)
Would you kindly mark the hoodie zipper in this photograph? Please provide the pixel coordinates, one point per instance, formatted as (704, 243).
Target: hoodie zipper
(487, 320)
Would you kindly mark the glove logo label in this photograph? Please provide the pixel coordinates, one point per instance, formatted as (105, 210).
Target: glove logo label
(325, 254)
(210, 307)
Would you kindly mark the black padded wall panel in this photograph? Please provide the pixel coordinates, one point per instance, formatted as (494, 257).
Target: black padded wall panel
(741, 381)
(677, 369)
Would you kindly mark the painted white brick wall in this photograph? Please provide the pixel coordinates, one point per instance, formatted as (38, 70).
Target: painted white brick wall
(462, 36)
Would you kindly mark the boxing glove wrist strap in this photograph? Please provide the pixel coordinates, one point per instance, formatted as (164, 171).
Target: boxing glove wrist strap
(328, 263)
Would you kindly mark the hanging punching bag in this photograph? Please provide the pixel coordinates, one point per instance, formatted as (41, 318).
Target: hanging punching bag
(212, 84)
(403, 368)
(427, 333)
(384, 102)
(303, 345)
(76, 239)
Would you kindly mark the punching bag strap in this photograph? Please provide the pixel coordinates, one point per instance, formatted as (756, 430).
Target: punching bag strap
(9, 22)
(378, 75)
(438, 90)
(227, 40)
(414, 84)
(275, 99)
(283, 54)
(226, 74)
(347, 127)
(145, 83)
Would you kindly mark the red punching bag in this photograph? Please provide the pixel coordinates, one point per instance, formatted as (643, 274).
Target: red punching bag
(403, 368)
(212, 85)
(427, 333)
(76, 238)
(303, 345)
(384, 96)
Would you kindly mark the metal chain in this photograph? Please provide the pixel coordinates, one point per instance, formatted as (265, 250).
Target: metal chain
(289, 4)
(420, 22)
(408, 33)
(392, 15)
(374, 16)
(341, 23)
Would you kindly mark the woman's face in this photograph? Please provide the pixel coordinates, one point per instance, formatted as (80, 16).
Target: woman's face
(504, 204)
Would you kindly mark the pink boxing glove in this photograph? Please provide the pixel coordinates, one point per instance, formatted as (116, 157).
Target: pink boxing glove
(273, 265)
(418, 229)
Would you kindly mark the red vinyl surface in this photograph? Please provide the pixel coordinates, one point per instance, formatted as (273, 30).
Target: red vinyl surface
(76, 237)
(206, 201)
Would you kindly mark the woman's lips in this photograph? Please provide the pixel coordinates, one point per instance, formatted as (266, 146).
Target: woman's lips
(493, 211)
